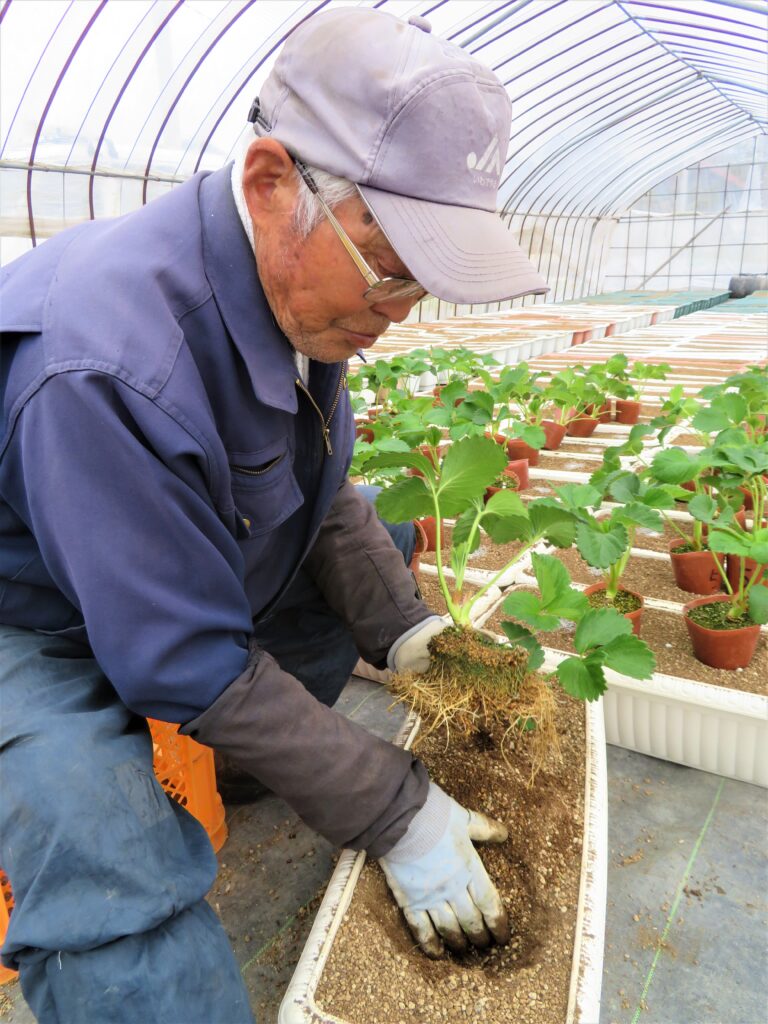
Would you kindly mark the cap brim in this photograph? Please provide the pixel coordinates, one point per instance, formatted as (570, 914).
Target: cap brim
(457, 253)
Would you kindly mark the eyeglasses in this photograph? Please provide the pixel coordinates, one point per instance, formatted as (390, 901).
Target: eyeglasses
(380, 289)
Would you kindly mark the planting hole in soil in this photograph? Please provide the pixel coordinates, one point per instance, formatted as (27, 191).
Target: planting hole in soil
(376, 975)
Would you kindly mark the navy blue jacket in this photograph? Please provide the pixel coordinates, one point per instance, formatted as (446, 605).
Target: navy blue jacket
(163, 472)
(153, 434)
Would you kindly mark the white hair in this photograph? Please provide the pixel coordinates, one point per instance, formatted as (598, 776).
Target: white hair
(309, 212)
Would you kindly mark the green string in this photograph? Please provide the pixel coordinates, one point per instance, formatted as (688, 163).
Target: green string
(676, 903)
(273, 939)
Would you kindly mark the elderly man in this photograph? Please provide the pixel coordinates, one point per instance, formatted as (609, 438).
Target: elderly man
(178, 537)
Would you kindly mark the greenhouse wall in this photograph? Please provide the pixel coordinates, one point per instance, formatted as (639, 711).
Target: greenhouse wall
(698, 228)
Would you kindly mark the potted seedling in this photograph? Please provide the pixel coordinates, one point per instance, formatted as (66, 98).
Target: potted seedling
(573, 391)
(725, 629)
(490, 413)
(626, 385)
(739, 403)
(604, 537)
(690, 478)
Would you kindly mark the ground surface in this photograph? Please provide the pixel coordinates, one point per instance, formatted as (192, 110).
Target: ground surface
(712, 969)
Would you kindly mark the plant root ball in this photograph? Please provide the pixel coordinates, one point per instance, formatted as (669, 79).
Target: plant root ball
(477, 687)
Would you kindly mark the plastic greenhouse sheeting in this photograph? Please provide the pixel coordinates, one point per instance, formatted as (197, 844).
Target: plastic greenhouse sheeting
(105, 104)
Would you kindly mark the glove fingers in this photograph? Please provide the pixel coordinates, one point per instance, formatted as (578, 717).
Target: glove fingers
(483, 829)
(488, 902)
(447, 924)
(423, 931)
(471, 920)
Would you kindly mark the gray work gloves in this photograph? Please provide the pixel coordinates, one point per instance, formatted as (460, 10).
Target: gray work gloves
(410, 652)
(439, 881)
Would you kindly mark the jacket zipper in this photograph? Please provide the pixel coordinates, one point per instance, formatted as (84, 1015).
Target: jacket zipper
(326, 423)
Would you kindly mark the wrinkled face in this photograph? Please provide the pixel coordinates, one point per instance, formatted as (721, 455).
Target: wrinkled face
(313, 287)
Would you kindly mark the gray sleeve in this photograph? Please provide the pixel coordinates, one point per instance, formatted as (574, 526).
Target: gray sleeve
(362, 576)
(348, 785)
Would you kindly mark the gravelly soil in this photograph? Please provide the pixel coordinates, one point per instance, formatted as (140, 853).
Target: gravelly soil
(570, 464)
(375, 975)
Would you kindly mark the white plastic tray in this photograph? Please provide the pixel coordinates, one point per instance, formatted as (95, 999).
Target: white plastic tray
(299, 1005)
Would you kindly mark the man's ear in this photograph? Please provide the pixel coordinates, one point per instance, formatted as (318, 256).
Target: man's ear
(269, 180)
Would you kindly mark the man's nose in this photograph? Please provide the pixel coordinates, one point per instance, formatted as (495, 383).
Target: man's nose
(396, 309)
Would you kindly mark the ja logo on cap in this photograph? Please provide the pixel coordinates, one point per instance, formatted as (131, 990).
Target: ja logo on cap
(489, 163)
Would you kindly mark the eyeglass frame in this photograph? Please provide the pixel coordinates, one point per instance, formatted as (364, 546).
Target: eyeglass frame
(373, 292)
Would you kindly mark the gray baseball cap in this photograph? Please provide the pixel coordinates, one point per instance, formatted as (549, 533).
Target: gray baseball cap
(421, 127)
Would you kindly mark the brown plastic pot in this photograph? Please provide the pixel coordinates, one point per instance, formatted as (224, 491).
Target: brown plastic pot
(422, 545)
(603, 412)
(517, 449)
(635, 616)
(520, 469)
(582, 426)
(363, 430)
(696, 571)
(627, 411)
(429, 528)
(555, 432)
(720, 648)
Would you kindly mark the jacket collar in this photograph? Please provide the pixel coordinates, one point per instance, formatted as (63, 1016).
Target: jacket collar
(231, 270)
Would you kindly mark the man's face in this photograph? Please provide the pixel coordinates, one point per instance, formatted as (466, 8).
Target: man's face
(314, 289)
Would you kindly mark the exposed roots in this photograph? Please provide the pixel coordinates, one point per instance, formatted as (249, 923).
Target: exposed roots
(477, 687)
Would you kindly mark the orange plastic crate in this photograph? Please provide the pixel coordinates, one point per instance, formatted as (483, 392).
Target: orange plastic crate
(6, 906)
(185, 770)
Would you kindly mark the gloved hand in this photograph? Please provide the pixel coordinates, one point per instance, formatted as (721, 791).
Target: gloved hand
(440, 883)
(410, 652)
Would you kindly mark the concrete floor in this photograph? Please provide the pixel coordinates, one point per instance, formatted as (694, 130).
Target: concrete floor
(687, 920)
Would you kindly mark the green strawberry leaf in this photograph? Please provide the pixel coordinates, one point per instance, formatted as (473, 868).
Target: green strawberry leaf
(637, 514)
(557, 595)
(674, 466)
(407, 499)
(468, 468)
(601, 547)
(631, 656)
(528, 607)
(578, 496)
(703, 507)
(555, 523)
(582, 679)
(728, 542)
(599, 627)
(519, 636)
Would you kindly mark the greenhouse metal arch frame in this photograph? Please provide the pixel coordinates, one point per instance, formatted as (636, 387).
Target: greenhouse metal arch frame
(105, 104)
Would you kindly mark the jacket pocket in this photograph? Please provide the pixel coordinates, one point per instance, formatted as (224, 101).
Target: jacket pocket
(264, 489)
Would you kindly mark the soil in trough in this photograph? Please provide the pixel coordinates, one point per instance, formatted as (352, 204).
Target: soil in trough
(376, 975)
(433, 595)
(667, 636)
(570, 464)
